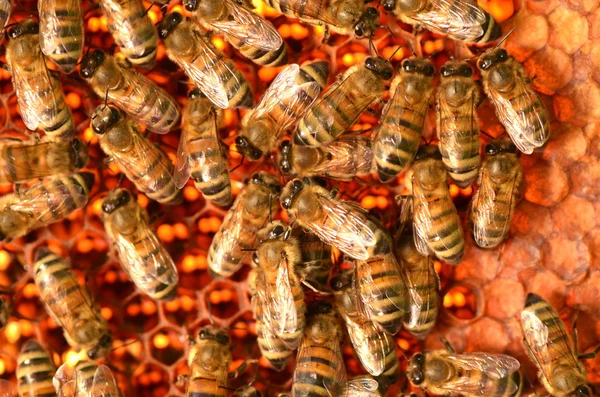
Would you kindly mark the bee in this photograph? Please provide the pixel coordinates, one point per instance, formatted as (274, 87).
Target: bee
(396, 141)
(461, 20)
(316, 263)
(86, 379)
(200, 153)
(61, 32)
(320, 369)
(278, 256)
(142, 254)
(247, 216)
(346, 158)
(436, 224)
(342, 224)
(423, 282)
(43, 203)
(271, 347)
(4, 12)
(457, 122)
(445, 373)
(286, 100)
(255, 38)
(70, 305)
(518, 107)
(132, 29)
(552, 350)
(20, 161)
(35, 370)
(342, 104)
(247, 391)
(373, 346)
(189, 47)
(39, 92)
(143, 162)
(494, 202)
(138, 96)
(343, 17)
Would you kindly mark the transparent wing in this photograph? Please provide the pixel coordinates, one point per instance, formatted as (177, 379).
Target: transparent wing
(63, 381)
(181, 171)
(417, 294)
(12, 162)
(226, 241)
(284, 91)
(345, 228)
(7, 389)
(371, 294)
(484, 205)
(421, 220)
(44, 201)
(52, 27)
(349, 155)
(308, 359)
(249, 27)
(104, 383)
(316, 11)
(361, 386)
(452, 140)
(520, 123)
(462, 19)
(281, 305)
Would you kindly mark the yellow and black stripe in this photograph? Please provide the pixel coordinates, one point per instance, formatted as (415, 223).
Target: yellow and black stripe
(274, 58)
(317, 71)
(35, 371)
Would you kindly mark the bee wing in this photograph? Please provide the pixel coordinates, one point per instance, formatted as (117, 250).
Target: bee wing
(346, 228)
(228, 234)
(462, 19)
(417, 294)
(55, 199)
(361, 386)
(104, 383)
(63, 381)
(181, 171)
(281, 307)
(54, 27)
(518, 122)
(453, 137)
(249, 27)
(347, 155)
(371, 293)
(312, 11)
(11, 163)
(7, 389)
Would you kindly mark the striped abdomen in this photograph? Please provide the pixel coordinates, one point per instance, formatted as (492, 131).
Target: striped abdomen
(314, 71)
(491, 29)
(259, 56)
(314, 372)
(398, 136)
(291, 338)
(529, 105)
(35, 371)
(423, 280)
(61, 32)
(383, 291)
(204, 386)
(315, 267)
(132, 29)
(291, 8)
(490, 386)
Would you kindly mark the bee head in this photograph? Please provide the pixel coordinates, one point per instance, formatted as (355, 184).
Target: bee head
(500, 146)
(168, 24)
(28, 26)
(428, 151)
(90, 63)
(582, 391)
(104, 117)
(285, 152)
(190, 5)
(196, 93)
(80, 152)
(247, 149)
(266, 180)
(368, 23)
(341, 280)
(389, 5)
(492, 57)
(102, 348)
(410, 6)
(115, 200)
(291, 190)
(214, 333)
(276, 230)
(418, 65)
(456, 68)
(415, 369)
(380, 66)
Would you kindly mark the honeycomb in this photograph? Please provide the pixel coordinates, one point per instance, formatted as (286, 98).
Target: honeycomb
(553, 250)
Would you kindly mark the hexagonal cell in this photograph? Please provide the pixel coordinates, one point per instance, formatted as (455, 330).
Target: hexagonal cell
(114, 284)
(462, 303)
(222, 300)
(90, 251)
(183, 309)
(166, 345)
(69, 227)
(150, 380)
(126, 354)
(26, 302)
(141, 314)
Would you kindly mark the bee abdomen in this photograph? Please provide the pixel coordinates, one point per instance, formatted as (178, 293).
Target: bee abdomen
(445, 237)
(277, 57)
(462, 161)
(491, 28)
(205, 387)
(313, 373)
(35, 371)
(66, 40)
(317, 71)
(271, 347)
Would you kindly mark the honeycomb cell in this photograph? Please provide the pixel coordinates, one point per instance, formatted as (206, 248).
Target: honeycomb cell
(141, 314)
(222, 300)
(568, 29)
(487, 335)
(181, 310)
(114, 283)
(166, 345)
(574, 217)
(150, 380)
(539, 190)
(463, 303)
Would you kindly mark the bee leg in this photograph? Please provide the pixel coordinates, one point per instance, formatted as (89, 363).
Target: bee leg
(326, 36)
(447, 344)
(591, 354)
(242, 368)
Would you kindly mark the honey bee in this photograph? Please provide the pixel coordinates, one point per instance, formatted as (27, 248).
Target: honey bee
(131, 27)
(320, 369)
(278, 256)
(316, 262)
(461, 20)
(373, 346)
(255, 38)
(144, 163)
(39, 92)
(494, 202)
(445, 373)
(4, 12)
(342, 224)
(436, 224)
(70, 305)
(346, 158)
(86, 379)
(132, 92)
(142, 254)
(200, 153)
(247, 216)
(271, 347)
(45, 202)
(343, 17)
(35, 370)
(20, 161)
(61, 32)
(342, 104)
(422, 280)
(552, 350)
(518, 107)
(396, 141)
(286, 100)
(189, 47)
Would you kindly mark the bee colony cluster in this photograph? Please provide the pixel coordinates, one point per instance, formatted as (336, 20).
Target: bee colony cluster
(359, 220)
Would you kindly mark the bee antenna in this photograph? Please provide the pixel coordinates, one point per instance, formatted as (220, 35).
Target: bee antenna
(394, 53)
(148, 9)
(237, 166)
(125, 344)
(505, 37)
(387, 27)
(488, 135)
(404, 354)
(106, 98)
(121, 177)
(372, 46)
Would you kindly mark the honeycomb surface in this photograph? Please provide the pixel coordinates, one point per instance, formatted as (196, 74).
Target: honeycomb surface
(553, 250)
